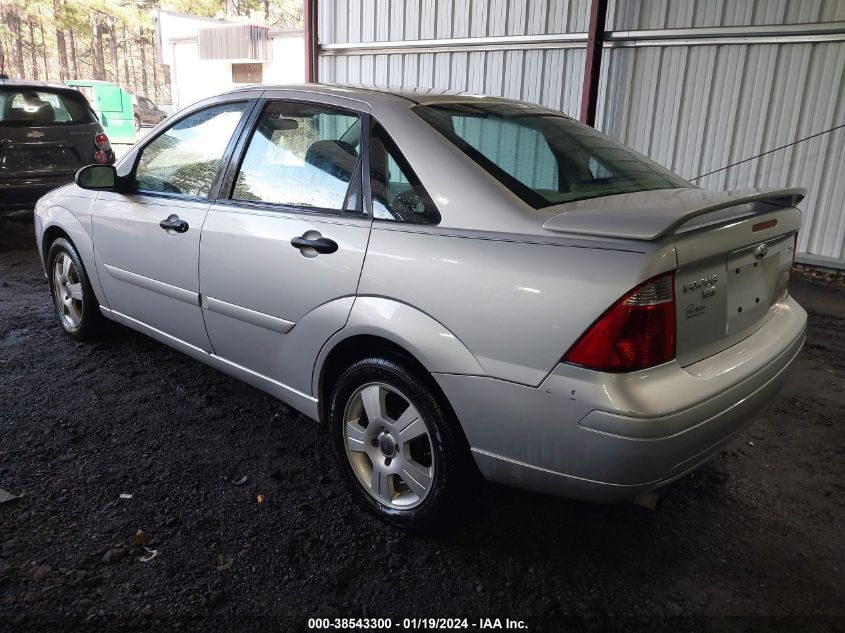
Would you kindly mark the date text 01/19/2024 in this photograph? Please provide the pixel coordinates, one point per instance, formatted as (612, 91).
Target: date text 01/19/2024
(416, 624)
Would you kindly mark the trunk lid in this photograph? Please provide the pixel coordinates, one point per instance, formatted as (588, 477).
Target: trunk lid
(649, 215)
(734, 253)
(50, 151)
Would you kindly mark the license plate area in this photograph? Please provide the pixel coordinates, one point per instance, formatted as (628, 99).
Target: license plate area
(38, 159)
(753, 277)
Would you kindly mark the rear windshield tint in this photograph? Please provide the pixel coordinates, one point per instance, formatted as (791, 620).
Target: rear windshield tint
(545, 159)
(25, 107)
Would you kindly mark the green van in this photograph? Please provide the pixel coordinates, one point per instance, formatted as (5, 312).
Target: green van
(113, 106)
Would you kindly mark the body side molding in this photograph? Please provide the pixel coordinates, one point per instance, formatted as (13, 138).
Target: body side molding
(253, 317)
(174, 292)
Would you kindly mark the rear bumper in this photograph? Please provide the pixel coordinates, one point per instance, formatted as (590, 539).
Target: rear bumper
(24, 193)
(607, 437)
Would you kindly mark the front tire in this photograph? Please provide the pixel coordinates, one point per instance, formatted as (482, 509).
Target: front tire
(397, 446)
(137, 124)
(76, 305)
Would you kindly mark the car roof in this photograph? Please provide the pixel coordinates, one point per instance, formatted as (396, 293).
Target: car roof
(35, 85)
(90, 82)
(374, 95)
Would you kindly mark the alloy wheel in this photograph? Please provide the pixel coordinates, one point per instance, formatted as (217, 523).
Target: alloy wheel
(67, 290)
(389, 446)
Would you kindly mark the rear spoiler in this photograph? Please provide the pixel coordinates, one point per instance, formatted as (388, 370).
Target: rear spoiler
(649, 215)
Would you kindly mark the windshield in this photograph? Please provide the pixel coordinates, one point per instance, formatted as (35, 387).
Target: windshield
(544, 158)
(27, 107)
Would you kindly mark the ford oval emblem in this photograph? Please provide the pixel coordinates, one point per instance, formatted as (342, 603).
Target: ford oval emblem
(761, 250)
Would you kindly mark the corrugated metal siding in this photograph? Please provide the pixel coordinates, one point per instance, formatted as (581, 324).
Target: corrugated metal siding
(506, 73)
(346, 21)
(626, 15)
(236, 42)
(694, 109)
(698, 109)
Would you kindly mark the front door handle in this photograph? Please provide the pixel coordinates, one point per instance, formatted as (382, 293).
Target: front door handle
(321, 244)
(173, 223)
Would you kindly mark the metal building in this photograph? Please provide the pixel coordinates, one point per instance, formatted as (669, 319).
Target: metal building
(698, 85)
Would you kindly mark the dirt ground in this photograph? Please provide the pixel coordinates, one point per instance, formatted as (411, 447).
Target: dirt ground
(752, 541)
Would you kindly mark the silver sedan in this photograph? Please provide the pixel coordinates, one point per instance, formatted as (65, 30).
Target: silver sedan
(451, 284)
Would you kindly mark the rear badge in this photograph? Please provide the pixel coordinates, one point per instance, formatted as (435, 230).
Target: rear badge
(693, 311)
(35, 134)
(761, 250)
(701, 283)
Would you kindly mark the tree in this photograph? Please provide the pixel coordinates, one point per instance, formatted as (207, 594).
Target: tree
(143, 62)
(67, 39)
(32, 49)
(113, 49)
(74, 58)
(11, 31)
(44, 50)
(61, 45)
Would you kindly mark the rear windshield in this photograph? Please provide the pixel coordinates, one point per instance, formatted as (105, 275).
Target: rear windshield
(25, 107)
(545, 159)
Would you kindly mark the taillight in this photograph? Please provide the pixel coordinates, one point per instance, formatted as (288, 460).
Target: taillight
(104, 154)
(102, 141)
(637, 332)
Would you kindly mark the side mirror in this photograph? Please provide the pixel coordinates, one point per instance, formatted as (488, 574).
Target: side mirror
(97, 177)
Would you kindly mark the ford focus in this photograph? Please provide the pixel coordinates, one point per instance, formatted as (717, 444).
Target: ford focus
(451, 284)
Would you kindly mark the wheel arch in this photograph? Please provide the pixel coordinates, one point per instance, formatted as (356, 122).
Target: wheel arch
(380, 326)
(51, 234)
(348, 351)
(59, 222)
(360, 346)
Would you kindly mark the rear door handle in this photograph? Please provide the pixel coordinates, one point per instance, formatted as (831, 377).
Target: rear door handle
(173, 223)
(321, 244)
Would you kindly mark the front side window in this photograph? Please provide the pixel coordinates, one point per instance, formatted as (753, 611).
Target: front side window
(185, 158)
(545, 159)
(297, 157)
(397, 193)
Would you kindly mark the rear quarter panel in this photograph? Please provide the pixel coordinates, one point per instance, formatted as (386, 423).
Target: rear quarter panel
(517, 304)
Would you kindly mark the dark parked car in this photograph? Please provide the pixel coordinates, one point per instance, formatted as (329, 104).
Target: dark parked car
(47, 132)
(146, 112)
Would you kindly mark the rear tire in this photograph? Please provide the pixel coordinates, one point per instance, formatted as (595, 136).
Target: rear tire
(397, 446)
(76, 305)
(137, 124)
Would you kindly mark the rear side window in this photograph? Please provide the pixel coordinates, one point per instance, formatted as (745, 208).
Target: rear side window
(545, 159)
(184, 159)
(397, 193)
(297, 156)
(22, 107)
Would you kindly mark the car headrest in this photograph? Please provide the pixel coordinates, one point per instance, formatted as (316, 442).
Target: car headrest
(44, 113)
(336, 158)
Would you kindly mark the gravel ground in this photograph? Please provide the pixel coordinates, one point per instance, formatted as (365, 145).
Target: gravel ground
(752, 541)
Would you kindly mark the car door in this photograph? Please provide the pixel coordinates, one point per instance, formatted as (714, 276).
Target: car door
(147, 240)
(283, 246)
